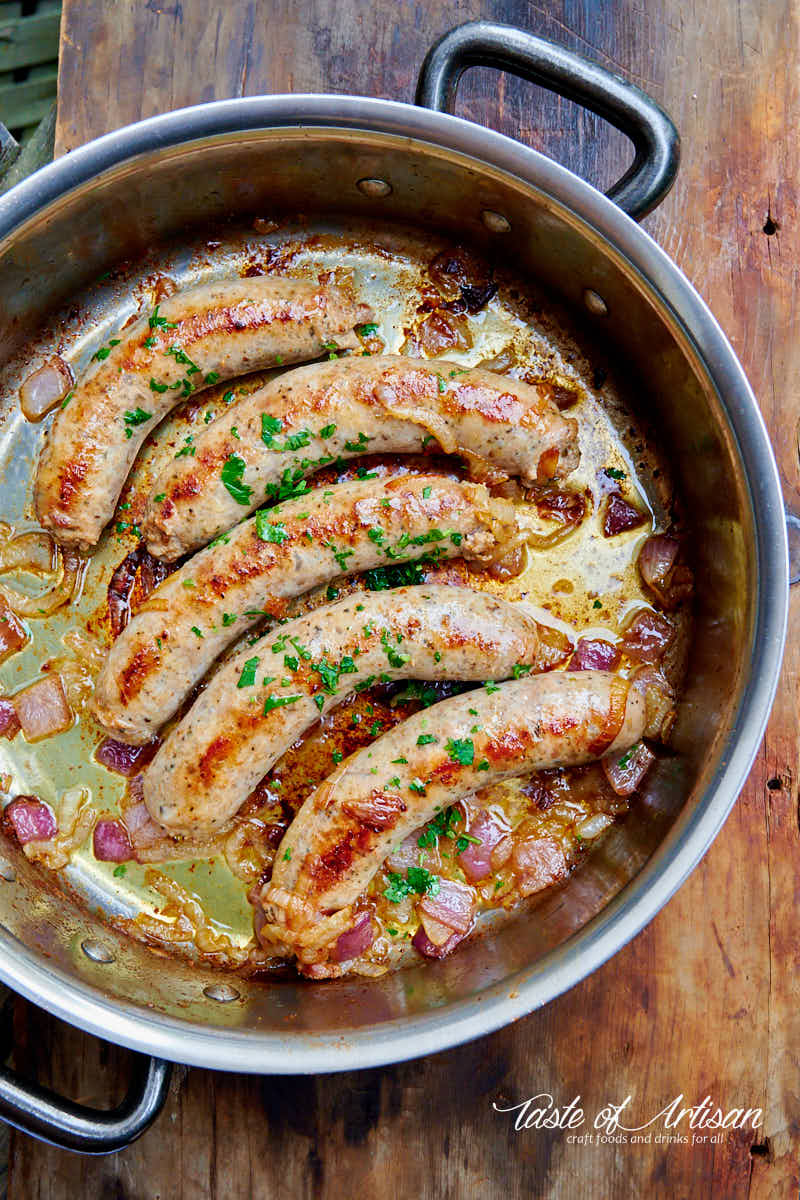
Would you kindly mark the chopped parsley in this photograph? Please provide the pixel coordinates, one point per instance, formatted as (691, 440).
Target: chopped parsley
(187, 449)
(133, 418)
(104, 351)
(419, 881)
(231, 475)
(155, 386)
(491, 686)
(417, 786)
(520, 669)
(327, 431)
(379, 579)
(365, 330)
(197, 632)
(341, 555)
(613, 473)
(182, 357)
(278, 702)
(248, 675)
(337, 756)
(396, 659)
(228, 619)
(483, 765)
(626, 758)
(67, 399)
(461, 750)
(161, 496)
(332, 592)
(440, 383)
(157, 322)
(268, 532)
(359, 446)
(287, 854)
(426, 739)
(597, 604)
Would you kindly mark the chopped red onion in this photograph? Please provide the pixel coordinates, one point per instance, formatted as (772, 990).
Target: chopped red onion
(12, 632)
(659, 700)
(594, 654)
(626, 771)
(31, 820)
(423, 944)
(142, 829)
(538, 862)
(9, 722)
(476, 860)
(111, 842)
(356, 940)
(662, 573)
(647, 637)
(42, 708)
(620, 516)
(453, 905)
(123, 759)
(45, 388)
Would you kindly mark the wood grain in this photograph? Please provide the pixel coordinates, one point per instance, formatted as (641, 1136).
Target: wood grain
(703, 1002)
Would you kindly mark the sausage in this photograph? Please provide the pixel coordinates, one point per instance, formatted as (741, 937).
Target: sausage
(256, 569)
(347, 827)
(390, 404)
(235, 730)
(188, 342)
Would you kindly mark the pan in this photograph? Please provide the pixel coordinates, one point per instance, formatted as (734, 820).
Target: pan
(176, 196)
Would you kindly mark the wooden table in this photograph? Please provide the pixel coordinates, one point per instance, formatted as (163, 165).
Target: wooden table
(705, 1000)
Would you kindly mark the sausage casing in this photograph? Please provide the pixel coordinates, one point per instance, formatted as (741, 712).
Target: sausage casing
(261, 565)
(347, 827)
(237, 728)
(191, 340)
(313, 415)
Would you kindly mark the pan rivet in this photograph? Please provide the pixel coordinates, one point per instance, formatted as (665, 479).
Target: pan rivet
(374, 188)
(7, 872)
(495, 222)
(96, 951)
(222, 992)
(595, 303)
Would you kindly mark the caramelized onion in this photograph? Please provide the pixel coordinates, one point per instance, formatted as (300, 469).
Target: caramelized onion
(45, 388)
(594, 654)
(625, 772)
(646, 637)
(31, 820)
(151, 572)
(355, 941)
(42, 709)
(36, 553)
(423, 944)
(537, 862)
(111, 842)
(123, 759)
(662, 572)
(476, 860)
(12, 633)
(453, 906)
(620, 516)
(659, 700)
(9, 722)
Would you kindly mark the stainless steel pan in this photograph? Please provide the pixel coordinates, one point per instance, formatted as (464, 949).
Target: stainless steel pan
(169, 177)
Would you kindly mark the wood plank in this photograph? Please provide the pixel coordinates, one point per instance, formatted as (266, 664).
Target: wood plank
(705, 1000)
(26, 41)
(26, 103)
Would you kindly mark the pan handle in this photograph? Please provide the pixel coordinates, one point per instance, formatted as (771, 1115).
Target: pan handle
(486, 44)
(70, 1126)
